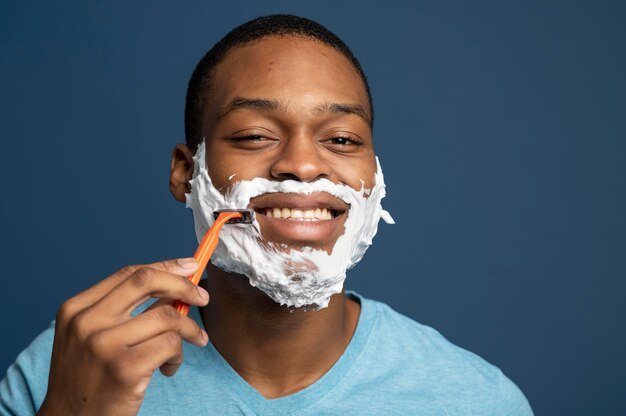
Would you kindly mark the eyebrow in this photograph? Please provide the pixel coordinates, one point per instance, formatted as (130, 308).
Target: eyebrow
(257, 104)
(338, 108)
(266, 105)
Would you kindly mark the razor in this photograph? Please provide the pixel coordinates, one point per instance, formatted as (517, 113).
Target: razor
(209, 242)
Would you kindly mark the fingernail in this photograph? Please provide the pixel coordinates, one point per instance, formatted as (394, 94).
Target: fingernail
(188, 263)
(201, 342)
(204, 341)
(203, 293)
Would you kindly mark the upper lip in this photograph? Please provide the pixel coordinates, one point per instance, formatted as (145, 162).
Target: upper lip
(298, 201)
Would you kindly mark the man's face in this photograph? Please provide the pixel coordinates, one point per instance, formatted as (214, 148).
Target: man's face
(290, 108)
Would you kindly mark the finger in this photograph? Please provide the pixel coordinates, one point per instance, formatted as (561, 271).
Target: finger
(163, 351)
(185, 267)
(165, 301)
(151, 324)
(161, 302)
(146, 283)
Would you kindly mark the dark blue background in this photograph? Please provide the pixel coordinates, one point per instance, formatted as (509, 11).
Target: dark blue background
(500, 128)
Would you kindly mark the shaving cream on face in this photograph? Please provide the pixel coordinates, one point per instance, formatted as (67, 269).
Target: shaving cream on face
(294, 278)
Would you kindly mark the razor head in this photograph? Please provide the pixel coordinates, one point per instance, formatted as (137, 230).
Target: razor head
(247, 216)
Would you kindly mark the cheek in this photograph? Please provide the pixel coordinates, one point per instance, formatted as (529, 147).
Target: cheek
(217, 175)
(224, 169)
(364, 171)
(220, 170)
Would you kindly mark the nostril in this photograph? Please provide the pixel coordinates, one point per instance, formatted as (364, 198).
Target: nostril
(288, 176)
(302, 168)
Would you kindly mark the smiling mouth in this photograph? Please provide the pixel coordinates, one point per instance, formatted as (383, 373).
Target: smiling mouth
(294, 214)
(313, 219)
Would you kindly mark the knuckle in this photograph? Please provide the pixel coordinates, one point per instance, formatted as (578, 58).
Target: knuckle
(80, 326)
(172, 340)
(141, 277)
(128, 270)
(67, 310)
(184, 285)
(165, 265)
(197, 331)
(168, 314)
(98, 346)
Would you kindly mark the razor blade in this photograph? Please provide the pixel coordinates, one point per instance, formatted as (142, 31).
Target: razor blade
(247, 216)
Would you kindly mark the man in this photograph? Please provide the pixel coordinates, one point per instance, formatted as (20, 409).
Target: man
(279, 118)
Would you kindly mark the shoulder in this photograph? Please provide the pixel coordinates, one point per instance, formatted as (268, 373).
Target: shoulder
(425, 361)
(24, 387)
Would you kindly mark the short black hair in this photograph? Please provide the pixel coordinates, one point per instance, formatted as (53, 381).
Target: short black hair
(251, 31)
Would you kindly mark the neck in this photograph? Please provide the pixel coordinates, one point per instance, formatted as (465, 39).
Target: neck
(277, 350)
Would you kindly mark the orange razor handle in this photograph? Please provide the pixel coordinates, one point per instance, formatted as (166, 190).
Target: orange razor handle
(205, 250)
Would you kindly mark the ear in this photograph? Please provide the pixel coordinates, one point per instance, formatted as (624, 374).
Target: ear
(181, 171)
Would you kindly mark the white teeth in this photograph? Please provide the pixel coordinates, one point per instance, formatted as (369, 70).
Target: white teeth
(300, 215)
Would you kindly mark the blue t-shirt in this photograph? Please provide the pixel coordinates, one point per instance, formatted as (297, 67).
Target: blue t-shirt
(392, 366)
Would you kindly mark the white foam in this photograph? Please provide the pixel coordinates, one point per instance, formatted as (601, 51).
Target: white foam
(290, 277)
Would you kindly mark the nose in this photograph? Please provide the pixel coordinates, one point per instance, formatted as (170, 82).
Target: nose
(301, 159)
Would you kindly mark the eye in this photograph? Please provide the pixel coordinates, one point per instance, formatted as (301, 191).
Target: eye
(252, 141)
(343, 141)
(252, 138)
(340, 140)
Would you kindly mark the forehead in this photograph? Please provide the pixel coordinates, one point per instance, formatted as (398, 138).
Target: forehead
(297, 71)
